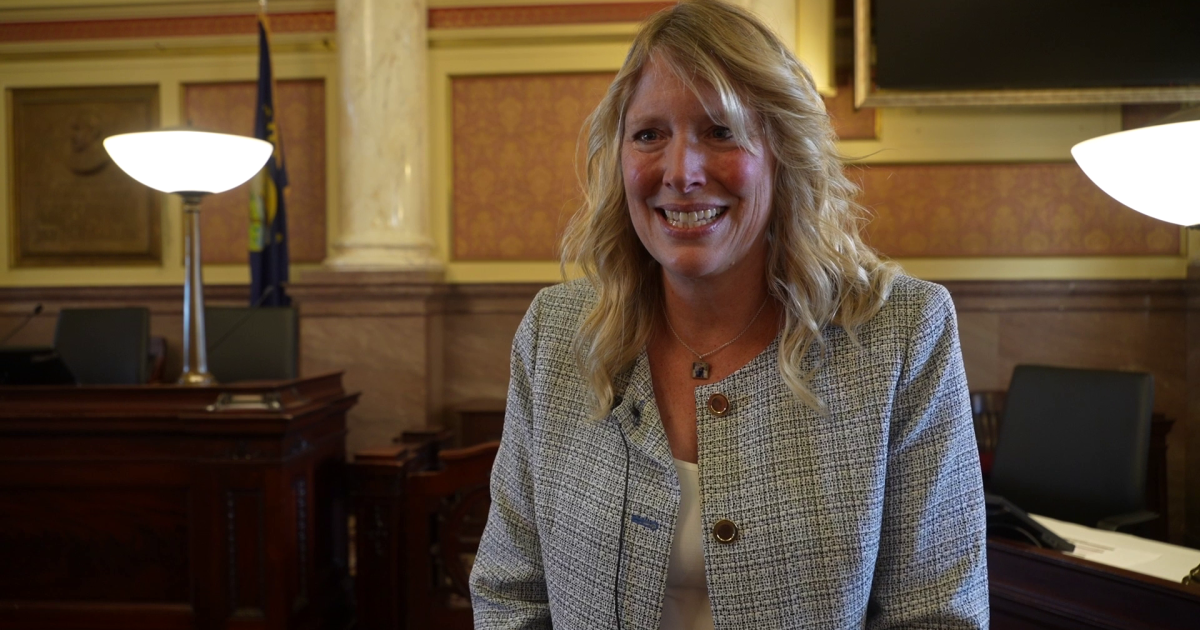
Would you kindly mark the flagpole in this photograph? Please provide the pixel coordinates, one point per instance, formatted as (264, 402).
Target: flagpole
(268, 229)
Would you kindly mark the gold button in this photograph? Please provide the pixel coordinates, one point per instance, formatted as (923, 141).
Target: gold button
(718, 404)
(725, 531)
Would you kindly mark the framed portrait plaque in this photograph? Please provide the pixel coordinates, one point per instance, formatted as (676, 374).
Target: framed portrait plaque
(71, 205)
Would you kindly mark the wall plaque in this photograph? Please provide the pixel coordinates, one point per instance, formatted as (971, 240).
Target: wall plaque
(71, 205)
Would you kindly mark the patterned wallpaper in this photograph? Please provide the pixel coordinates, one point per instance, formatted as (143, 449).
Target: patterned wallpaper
(1002, 210)
(514, 142)
(229, 107)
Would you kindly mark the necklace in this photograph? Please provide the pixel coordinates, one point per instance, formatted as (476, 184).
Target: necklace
(700, 368)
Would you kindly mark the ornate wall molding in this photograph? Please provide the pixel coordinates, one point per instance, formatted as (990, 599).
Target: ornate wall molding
(74, 10)
(490, 17)
(201, 26)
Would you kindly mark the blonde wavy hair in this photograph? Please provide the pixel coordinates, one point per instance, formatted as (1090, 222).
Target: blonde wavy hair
(818, 268)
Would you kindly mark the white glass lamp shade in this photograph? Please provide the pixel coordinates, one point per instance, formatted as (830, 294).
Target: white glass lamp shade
(188, 161)
(1154, 170)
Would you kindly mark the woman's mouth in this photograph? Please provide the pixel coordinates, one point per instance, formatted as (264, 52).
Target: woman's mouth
(692, 219)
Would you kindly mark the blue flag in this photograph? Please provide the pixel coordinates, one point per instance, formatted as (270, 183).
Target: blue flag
(268, 215)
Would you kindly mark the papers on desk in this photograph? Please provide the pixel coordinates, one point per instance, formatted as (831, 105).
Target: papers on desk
(1150, 557)
(1122, 557)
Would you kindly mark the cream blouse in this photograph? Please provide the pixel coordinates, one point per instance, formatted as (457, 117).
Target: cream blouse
(686, 605)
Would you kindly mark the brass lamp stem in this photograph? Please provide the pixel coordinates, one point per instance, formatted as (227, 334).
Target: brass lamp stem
(195, 349)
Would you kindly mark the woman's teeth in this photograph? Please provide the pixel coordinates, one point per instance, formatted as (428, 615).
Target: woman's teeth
(692, 219)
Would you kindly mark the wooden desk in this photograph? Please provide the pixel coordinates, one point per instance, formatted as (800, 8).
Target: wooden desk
(1042, 588)
(171, 507)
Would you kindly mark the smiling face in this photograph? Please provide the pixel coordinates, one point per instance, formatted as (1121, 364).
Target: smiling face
(699, 202)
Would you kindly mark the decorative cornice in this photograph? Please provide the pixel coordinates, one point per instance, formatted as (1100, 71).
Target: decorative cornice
(194, 26)
(541, 15)
(45, 27)
(81, 10)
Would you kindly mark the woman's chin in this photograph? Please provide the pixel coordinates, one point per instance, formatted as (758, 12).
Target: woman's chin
(692, 269)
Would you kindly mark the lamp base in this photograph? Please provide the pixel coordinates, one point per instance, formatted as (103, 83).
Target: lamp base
(197, 379)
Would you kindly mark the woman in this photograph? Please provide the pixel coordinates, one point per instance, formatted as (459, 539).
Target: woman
(742, 417)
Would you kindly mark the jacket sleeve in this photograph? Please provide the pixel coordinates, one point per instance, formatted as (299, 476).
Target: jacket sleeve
(931, 571)
(508, 588)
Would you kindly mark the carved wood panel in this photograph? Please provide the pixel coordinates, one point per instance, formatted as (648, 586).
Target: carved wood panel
(72, 206)
(245, 530)
(72, 524)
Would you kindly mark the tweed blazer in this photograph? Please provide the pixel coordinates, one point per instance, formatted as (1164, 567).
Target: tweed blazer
(870, 515)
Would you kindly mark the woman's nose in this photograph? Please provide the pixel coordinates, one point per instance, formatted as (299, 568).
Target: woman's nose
(683, 171)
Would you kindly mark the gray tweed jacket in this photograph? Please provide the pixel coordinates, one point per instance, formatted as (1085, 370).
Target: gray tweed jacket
(871, 516)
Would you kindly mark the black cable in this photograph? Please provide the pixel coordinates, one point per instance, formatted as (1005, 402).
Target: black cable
(28, 318)
(624, 507)
(1019, 530)
(250, 313)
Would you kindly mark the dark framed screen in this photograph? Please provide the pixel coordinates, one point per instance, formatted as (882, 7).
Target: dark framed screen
(1035, 44)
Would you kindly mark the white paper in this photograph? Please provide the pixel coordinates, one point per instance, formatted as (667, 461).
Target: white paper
(1124, 551)
(1122, 557)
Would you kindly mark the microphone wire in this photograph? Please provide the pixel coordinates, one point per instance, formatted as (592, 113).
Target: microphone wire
(37, 310)
(238, 324)
(621, 539)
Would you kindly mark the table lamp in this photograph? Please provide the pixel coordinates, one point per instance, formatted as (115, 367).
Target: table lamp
(1152, 169)
(191, 164)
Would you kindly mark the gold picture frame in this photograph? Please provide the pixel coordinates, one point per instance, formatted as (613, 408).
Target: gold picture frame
(70, 205)
(867, 95)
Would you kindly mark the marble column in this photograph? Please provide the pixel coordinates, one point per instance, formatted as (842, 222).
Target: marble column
(383, 214)
(780, 15)
(806, 28)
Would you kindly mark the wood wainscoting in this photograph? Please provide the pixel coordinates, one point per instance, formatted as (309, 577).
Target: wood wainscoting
(422, 350)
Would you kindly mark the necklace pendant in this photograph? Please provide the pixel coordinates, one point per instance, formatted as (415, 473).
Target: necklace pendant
(700, 370)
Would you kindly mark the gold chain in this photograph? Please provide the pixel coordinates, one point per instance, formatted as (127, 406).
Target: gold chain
(722, 346)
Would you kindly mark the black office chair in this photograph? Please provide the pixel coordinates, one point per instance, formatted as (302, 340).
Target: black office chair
(1074, 445)
(104, 346)
(252, 344)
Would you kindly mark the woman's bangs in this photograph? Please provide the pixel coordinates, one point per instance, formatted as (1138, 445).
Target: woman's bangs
(730, 110)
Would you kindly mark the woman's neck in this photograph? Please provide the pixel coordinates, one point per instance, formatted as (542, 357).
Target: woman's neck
(709, 312)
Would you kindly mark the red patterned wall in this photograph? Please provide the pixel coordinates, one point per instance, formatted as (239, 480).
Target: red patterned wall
(229, 108)
(1003, 210)
(514, 186)
(514, 143)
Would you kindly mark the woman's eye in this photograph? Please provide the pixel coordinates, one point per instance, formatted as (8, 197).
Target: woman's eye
(646, 135)
(722, 133)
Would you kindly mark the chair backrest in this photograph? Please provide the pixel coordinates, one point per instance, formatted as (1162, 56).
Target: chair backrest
(156, 360)
(987, 410)
(104, 346)
(446, 512)
(1074, 443)
(252, 344)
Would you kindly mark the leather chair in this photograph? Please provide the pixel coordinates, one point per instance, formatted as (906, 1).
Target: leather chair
(104, 346)
(1074, 445)
(252, 344)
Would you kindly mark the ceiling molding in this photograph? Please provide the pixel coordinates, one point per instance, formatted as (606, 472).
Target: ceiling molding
(80, 10)
(281, 43)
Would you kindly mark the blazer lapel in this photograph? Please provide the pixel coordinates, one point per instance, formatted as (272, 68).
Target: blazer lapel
(638, 415)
